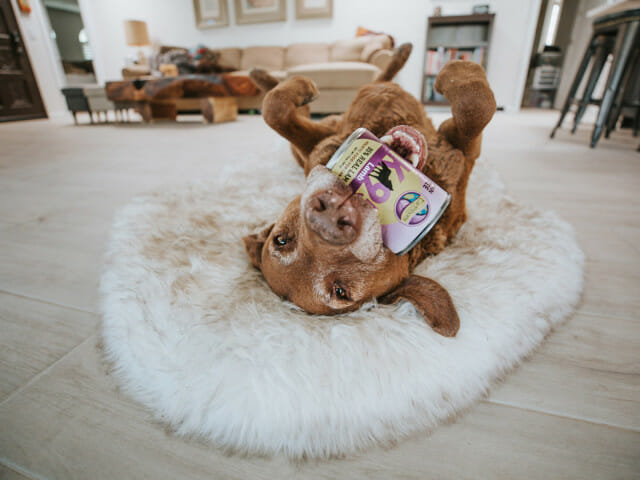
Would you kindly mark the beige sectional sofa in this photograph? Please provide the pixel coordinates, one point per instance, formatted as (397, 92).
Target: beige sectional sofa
(339, 69)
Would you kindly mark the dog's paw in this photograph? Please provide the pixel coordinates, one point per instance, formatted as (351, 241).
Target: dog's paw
(303, 90)
(297, 90)
(457, 73)
(407, 142)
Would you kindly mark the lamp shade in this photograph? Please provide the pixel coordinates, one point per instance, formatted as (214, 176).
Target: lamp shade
(136, 33)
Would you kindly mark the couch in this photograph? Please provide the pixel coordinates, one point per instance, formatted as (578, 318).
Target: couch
(339, 69)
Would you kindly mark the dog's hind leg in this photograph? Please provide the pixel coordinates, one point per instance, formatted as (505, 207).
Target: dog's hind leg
(263, 79)
(400, 57)
(472, 103)
(465, 85)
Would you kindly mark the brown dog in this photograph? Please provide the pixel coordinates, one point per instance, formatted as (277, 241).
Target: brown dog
(325, 252)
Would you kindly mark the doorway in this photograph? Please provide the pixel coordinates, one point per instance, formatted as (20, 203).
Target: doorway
(553, 35)
(70, 39)
(19, 95)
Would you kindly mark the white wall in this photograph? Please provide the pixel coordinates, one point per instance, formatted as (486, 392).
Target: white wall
(173, 22)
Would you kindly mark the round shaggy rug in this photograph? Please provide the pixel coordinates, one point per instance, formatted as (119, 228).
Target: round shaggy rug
(196, 335)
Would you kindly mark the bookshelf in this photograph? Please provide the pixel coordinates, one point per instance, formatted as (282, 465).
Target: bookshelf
(453, 37)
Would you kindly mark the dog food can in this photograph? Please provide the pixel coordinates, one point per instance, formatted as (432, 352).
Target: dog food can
(408, 202)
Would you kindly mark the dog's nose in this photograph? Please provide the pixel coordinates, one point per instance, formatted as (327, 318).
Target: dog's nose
(333, 216)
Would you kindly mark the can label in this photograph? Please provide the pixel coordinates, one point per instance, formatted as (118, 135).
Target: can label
(408, 202)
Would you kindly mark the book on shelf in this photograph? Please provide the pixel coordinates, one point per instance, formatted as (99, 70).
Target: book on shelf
(478, 55)
(438, 56)
(429, 94)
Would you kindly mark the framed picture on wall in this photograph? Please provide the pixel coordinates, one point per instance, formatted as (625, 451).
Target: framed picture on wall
(314, 8)
(211, 13)
(260, 11)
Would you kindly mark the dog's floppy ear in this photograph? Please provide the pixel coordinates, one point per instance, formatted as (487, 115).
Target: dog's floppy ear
(254, 243)
(431, 300)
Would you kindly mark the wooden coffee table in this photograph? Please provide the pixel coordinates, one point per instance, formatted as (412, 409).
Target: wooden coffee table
(161, 98)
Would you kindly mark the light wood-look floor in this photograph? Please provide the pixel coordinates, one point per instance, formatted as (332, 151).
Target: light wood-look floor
(572, 410)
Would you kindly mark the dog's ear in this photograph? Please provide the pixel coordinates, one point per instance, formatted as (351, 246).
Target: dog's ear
(431, 300)
(254, 243)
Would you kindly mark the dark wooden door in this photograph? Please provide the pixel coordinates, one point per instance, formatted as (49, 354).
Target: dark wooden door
(19, 95)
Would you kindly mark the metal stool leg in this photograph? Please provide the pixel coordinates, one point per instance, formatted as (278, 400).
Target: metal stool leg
(622, 51)
(576, 83)
(616, 108)
(599, 61)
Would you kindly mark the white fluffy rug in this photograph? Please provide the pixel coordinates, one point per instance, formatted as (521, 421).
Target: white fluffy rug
(195, 334)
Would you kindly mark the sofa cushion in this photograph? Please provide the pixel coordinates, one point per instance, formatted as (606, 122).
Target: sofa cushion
(381, 58)
(349, 50)
(269, 58)
(303, 53)
(279, 74)
(337, 74)
(375, 43)
(230, 57)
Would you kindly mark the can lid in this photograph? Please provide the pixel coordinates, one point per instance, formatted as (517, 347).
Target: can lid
(342, 148)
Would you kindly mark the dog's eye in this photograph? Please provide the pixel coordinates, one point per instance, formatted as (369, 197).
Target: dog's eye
(280, 240)
(340, 292)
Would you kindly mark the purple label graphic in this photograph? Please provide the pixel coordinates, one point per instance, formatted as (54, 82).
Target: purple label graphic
(405, 201)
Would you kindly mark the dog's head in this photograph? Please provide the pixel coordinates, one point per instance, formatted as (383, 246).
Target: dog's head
(325, 254)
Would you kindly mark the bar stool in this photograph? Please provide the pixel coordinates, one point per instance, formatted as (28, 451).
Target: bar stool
(616, 31)
(628, 96)
(602, 47)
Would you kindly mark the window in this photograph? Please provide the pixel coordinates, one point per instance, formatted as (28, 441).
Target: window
(552, 25)
(84, 42)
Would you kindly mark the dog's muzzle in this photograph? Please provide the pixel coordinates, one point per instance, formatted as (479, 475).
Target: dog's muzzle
(337, 216)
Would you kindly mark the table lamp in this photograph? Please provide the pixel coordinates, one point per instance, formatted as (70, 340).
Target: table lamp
(137, 36)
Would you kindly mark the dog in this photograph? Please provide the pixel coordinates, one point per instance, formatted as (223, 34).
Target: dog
(325, 252)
